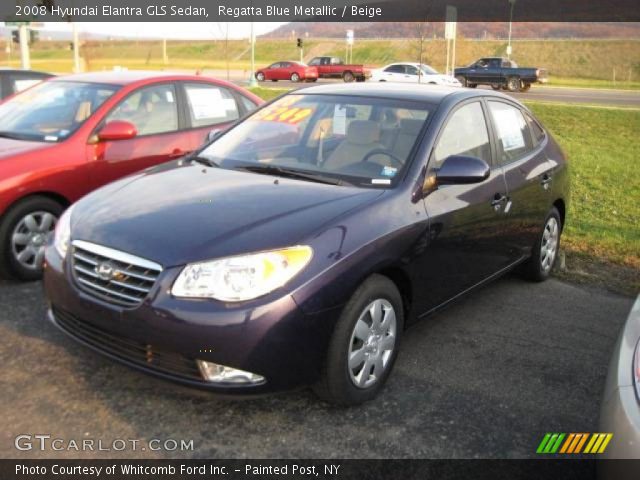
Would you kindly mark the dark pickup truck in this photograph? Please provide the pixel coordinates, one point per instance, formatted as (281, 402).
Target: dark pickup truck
(500, 73)
(334, 67)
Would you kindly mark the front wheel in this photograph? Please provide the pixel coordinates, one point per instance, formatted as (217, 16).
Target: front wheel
(295, 78)
(513, 84)
(364, 345)
(260, 76)
(24, 232)
(348, 77)
(545, 251)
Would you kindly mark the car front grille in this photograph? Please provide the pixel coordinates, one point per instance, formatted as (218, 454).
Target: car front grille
(130, 351)
(111, 275)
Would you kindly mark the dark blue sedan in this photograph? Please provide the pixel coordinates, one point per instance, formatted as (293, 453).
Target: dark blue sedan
(297, 246)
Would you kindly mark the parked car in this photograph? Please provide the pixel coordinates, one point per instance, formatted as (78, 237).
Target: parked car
(13, 81)
(620, 411)
(67, 136)
(296, 247)
(294, 71)
(500, 73)
(334, 67)
(412, 73)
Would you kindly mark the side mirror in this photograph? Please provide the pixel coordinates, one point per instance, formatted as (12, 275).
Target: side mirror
(213, 134)
(458, 169)
(117, 130)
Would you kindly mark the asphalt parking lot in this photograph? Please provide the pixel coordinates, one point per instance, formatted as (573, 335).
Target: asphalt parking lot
(485, 378)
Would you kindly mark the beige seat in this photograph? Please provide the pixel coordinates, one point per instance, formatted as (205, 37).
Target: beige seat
(363, 136)
(407, 135)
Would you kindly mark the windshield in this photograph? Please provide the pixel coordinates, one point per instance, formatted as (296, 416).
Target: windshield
(428, 70)
(51, 111)
(359, 140)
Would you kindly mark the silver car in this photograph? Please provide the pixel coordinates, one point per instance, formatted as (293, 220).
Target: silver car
(620, 413)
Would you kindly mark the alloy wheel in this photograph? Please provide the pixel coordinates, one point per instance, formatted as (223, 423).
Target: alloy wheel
(549, 244)
(372, 343)
(29, 238)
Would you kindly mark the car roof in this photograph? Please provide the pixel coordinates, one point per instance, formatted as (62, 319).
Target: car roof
(130, 76)
(433, 94)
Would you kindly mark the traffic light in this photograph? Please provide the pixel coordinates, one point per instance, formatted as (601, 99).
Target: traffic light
(33, 37)
(299, 43)
(15, 36)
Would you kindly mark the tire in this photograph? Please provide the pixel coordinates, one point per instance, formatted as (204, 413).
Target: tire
(348, 77)
(472, 85)
(45, 213)
(524, 87)
(337, 384)
(313, 79)
(538, 268)
(496, 87)
(295, 78)
(274, 80)
(513, 84)
(462, 80)
(260, 76)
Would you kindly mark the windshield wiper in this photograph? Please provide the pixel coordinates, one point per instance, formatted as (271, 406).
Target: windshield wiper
(209, 162)
(14, 136)
(292, 173)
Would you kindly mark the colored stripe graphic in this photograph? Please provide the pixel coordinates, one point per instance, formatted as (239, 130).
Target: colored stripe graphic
(552, 442)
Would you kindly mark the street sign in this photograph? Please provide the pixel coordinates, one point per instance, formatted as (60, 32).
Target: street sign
(349, 37)
(450, 25)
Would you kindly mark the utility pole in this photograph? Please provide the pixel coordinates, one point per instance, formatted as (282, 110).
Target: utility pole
(24, 47)
(511, 3)
(165, 58)
(76, 48)
(252, 76)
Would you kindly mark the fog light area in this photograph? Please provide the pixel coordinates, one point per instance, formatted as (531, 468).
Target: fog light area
(214, 373)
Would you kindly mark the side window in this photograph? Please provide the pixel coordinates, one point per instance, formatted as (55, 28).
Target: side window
(315, 61)
(151, 109)
(275, 65)
(285, 65)
(495, 63)
(536, 131)
(514, 139)
(395, 69)
(411, 70)
(248, 105)
(210, 105)
(19, 82)
(464, 134)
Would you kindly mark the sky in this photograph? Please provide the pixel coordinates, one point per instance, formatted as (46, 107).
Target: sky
(170, 30)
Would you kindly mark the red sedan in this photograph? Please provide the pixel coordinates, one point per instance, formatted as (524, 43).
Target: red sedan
(294, 71)
(67, 136)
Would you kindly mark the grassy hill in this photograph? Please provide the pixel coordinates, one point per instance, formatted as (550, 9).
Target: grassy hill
(568, 61)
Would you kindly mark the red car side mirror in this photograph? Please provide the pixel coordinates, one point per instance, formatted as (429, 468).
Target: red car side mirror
(117, 130)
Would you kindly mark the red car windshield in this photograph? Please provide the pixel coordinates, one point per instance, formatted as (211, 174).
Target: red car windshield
(52, 111)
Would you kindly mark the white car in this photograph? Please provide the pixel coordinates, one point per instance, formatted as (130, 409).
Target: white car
(412, 73)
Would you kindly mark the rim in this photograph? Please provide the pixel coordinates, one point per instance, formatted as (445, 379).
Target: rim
(260, 76)
(295, 77)
(30, 237)
(549, 244)
(372, 343)
(513, 84)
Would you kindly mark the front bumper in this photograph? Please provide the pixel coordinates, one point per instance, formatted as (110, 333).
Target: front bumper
(164, 336)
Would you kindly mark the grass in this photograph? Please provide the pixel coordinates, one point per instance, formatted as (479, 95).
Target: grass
(602, 145)
(592, 63)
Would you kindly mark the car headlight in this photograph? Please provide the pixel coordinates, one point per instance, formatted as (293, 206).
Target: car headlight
(243, 277)
(636, 370)
(62, 234)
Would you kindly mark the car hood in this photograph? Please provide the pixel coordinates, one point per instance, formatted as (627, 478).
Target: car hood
(186, 212)
(10, 147)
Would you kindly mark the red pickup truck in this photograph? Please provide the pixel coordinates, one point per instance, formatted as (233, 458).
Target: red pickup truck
(334, 67)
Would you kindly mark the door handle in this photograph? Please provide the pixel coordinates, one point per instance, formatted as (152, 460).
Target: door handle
(497, 201)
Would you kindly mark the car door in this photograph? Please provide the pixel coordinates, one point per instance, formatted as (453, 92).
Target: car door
(465, 221)
(154, 112)
(476, 72)
(528, 173)
(208, 107)
(411, 74)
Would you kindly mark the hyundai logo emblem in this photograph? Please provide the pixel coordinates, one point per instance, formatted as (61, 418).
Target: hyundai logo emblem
(105, 271)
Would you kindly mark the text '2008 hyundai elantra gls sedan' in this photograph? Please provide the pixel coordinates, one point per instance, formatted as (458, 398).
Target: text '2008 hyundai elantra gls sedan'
(296, 247)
